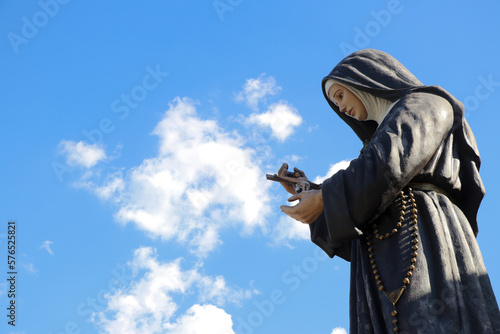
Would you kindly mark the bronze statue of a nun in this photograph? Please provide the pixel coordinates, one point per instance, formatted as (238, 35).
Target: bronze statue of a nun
(404, 211)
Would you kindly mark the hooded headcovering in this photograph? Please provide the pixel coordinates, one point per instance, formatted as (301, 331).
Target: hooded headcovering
(379, 74)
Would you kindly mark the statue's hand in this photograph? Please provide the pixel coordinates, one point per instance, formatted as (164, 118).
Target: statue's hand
(309, 209)
(296, 176)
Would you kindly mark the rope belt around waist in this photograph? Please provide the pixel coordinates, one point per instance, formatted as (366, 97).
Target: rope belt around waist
(429, 187)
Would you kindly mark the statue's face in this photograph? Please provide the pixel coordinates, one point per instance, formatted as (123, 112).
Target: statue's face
(348, 102)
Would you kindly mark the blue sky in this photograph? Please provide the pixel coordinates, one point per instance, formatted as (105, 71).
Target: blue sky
(136, 137)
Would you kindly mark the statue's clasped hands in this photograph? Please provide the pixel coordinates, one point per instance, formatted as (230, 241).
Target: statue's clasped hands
(309, 195)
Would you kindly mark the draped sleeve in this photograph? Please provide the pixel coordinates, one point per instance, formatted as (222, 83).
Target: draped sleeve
(400, 148)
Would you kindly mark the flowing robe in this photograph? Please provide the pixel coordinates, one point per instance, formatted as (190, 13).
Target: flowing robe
(449, 291)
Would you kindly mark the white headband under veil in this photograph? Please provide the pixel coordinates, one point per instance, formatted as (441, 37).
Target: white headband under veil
(376, 107)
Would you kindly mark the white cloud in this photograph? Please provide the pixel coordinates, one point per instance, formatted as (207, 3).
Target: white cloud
(293, 158)
(281, 118)
(81, 154)
(255, 90)
(339, 330)
(112, 186)
(203, 179)
(290, 229)
(204, 319)
(215, 289)
(30, 267)
(46, 245)
(146, 305)
(332, 170)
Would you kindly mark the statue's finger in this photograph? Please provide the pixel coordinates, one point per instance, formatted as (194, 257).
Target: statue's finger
(298, 172)
(289, 210)
(283, 171)
(294, 198)
(285, 209)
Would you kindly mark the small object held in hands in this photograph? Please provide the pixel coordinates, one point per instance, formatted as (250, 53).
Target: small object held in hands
(298, 185)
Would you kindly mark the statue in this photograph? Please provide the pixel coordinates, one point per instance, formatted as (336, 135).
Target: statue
(404, 212)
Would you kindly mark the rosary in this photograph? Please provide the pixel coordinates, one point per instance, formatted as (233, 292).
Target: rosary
(395, 295)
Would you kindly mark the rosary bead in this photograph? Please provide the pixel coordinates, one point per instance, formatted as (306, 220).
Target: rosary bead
(414, 234)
